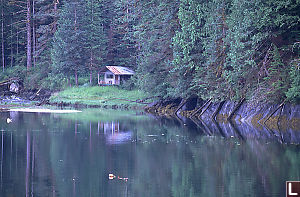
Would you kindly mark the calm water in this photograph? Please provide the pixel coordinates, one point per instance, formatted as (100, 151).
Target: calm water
(73, 155)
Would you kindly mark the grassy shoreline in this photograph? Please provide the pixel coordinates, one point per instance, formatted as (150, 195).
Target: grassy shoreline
(100, 96)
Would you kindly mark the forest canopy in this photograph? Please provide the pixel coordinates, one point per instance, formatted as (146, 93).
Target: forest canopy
(219, 49)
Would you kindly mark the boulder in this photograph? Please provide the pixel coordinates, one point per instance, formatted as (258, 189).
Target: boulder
(14, 87)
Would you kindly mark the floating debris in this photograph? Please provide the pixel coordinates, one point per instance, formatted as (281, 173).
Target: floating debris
(124, 179)
(152, 135)
(112, 176)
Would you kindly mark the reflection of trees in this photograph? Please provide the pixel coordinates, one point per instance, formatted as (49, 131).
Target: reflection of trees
(21, 151)
(226, 169)
(71, 157)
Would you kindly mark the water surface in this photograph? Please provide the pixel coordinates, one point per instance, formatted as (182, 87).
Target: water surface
(73, 154)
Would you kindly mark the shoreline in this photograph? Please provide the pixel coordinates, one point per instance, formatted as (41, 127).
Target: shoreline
(275, 117)
(248, 121)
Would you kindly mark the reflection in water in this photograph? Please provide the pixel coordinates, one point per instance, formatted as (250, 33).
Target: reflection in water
(27, 164)
(2, 149)
(114, 134)
(72, 155)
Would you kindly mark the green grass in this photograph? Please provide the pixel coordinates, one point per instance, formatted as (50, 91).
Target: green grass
(99, 95)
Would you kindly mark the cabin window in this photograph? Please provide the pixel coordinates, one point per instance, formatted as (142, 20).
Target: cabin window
(109, 76)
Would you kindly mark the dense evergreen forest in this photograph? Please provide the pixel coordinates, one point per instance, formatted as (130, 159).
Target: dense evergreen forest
(220, 49)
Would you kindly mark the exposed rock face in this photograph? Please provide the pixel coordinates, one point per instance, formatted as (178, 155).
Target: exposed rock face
(250, 121)
(14, 87)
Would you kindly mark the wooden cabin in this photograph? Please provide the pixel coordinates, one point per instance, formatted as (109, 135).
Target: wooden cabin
(114, 75)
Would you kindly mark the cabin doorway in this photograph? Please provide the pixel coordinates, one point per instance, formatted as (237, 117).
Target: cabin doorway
(117, 79)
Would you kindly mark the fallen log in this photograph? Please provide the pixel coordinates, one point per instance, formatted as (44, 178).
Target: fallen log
(204, 110)
(200, 108)
(236, 108)
(43, 102)
(269, 116)
(36, 94)
(180, 106)
(279, 116)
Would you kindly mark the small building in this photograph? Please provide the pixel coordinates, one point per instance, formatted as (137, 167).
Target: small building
(114, 75)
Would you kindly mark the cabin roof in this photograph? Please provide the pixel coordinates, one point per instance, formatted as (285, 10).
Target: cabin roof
(118, 70)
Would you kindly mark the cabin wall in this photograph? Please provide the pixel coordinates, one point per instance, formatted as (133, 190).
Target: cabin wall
(110, 78)
(107, 78)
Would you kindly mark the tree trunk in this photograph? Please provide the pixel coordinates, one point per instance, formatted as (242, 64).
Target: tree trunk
(91, 65)
(76, 78)
(17, 50)
(27, 164)
(2, 36)
(91, 77)
(69, 83)
(55, 15)
(11, 43)
(28, 28)
(33, 36)
(91, 58)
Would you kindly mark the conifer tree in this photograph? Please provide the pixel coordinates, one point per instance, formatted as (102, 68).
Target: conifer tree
(188, 48)
(45, 18)
(96, 42)
(68, 54)
(123, 22)
(153, 34)
(293, 93)
(240, 37)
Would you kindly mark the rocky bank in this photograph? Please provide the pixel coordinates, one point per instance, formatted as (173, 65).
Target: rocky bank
(240, 119)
